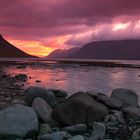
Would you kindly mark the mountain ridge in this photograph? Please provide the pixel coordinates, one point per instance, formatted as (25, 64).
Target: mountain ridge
(61, 53)
(9, 50)
(116, 49)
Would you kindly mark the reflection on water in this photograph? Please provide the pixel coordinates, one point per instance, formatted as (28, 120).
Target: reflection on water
(81, 78)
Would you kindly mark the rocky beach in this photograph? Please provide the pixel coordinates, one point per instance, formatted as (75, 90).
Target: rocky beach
(37, 113)
(69, 69)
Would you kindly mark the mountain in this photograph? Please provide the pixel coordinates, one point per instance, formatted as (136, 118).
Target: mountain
(9, 50)
(118, 49)
(61, 53)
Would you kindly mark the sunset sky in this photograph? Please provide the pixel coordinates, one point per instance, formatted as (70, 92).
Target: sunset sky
(40, 26)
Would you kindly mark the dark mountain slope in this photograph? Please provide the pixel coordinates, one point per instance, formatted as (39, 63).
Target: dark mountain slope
(59, 53)
(9, 50)
(119, 49)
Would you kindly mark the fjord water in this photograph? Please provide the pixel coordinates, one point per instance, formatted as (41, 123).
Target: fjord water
(76, 77)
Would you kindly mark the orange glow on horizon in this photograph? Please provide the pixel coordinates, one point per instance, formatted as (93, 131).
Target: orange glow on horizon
(37, 48)
(32, 47)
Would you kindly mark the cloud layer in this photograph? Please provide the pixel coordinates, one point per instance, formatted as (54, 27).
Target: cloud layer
(67, 23)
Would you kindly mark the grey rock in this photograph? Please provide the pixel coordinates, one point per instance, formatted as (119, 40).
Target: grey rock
(8, 99)
(21, 77)
(79, 128)
(18, 121)
(114, 119)
(98, 131)
(136, 135)
(111, 120)
(17, 101)
(79, 108)
(101, 94)
(45, 137)
(55, 136)
(3, 105)
(53, 123)
(127, 96)
(42, 109)
(38, 81)
(45, 128)
(60, 135)
(93, 94)
(55, 129)
(32, 92)
(60, 100)
(77, 137)
(59, 92)
(119, 116)
(87, 134)
(131, 112)
(110, 102)
(111, 129)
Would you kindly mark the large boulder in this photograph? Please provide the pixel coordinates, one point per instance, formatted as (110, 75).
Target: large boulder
(127, 96)
(32, 92)
(131, 112)
(42, 109)
(59, 92)
(110, 102)
(18, 121)
(79, 108)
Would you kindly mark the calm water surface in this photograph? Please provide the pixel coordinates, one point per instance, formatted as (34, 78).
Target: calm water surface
(80, 78)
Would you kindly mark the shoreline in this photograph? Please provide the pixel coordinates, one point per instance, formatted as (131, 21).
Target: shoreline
(11, 87)
(84, 62)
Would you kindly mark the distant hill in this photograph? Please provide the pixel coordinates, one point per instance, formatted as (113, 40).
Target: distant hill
(119, 49)
(61, 53)
(9, 50)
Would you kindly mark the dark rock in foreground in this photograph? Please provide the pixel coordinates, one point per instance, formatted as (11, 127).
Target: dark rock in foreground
(79, 108)
(132, 112)
(127, 96)
(42, 109)
(110, 102)
(32, 92)
(59, 93)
